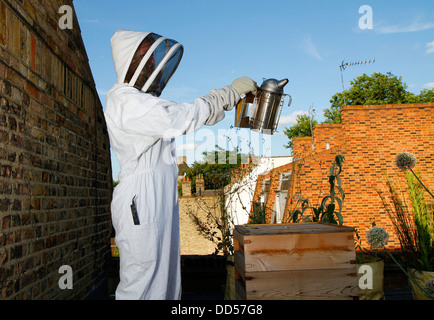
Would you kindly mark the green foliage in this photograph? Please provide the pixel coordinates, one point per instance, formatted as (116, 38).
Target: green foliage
(301, 129)
(332, 115)
(426, 95)
(423, 220)
(258, 214)
(377, 88)
(216, 168)
(326, 210)
(414, 228)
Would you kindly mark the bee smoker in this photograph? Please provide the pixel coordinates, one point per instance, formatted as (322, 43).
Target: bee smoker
(261, 112)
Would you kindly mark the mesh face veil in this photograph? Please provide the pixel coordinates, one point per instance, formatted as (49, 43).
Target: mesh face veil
(153, 63)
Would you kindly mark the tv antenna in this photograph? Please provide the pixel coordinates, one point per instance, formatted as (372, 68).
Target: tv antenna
(311, 113)
(345, 65)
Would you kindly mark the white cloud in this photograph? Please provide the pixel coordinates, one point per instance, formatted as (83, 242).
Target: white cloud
(310, 48)
(415, 26)
(292, 118)
(430, 46)
(429, 85)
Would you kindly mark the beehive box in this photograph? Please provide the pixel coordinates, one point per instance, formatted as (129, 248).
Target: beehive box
(307, 261)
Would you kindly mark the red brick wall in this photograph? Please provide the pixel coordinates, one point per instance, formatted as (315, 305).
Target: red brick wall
(301, 146)
(327, 133)
(55, 171)
(369, 137)
(374, 136)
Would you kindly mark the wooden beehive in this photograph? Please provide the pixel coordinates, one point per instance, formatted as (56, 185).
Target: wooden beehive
(295, 261)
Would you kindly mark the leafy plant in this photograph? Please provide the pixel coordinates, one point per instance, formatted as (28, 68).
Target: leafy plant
(377, 88)
(423, 221)
(303, 128)
(326, 210)
(258, 213)
(414, 228)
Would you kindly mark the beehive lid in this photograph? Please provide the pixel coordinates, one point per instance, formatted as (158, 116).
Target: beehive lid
(292, 228)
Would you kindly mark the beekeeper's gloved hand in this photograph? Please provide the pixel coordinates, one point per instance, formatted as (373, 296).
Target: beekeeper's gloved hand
(244, 85)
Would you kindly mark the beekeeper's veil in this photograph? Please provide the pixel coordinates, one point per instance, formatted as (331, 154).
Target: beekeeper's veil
(145, 60)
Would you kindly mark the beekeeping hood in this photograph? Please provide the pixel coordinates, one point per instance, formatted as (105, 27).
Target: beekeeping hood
(145, 60)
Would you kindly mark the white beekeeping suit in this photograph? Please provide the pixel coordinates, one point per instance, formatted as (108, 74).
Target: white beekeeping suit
(142, 128)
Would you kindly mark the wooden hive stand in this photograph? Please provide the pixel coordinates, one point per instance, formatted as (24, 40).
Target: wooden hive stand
(303, 261)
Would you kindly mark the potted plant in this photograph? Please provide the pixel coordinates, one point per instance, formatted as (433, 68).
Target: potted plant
(370, 267)
(414, 228)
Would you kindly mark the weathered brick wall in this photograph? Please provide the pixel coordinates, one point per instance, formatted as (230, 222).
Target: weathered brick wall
(55, 172)
(193, 242)
(369, 137)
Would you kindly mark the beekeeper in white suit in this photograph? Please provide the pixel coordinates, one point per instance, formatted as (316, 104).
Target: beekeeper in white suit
(142, 128)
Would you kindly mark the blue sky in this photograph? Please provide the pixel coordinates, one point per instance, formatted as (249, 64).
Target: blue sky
(304, 41)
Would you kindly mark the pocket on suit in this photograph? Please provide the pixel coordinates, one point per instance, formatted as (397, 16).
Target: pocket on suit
(144, 242)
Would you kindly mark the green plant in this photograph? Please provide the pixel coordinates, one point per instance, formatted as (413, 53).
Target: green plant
(326, 210)
(257, 216)
(303, 128)
(372, 89)
(414, 228)
(423, 221)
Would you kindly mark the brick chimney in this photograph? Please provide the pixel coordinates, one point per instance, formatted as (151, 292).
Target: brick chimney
(200, 185)
(186, 187)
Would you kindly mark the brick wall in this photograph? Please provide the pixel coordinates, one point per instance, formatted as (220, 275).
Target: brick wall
(327, 136)
(193, 242)
(369, 137)
(55, 172)
(374, 135)
(301, 146)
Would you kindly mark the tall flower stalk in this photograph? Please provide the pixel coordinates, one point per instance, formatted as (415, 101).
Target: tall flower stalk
(407, 161)
(415, 228)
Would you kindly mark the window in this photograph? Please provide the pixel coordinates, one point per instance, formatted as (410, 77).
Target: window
(281, 196)
(265, 191)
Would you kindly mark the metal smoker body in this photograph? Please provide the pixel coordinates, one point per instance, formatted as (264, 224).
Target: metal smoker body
(261, 112)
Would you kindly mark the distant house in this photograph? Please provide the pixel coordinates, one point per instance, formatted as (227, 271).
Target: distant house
(369, 137)
(239, 194)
